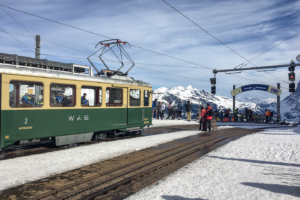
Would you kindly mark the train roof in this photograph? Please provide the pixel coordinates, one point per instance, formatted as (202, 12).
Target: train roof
(26, 66)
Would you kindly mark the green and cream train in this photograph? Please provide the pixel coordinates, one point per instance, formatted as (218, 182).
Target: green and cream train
(44, 102)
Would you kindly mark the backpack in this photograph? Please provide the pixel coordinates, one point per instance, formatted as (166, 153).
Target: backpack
(211, 112)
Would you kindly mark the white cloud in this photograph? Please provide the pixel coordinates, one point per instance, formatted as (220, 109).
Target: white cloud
(249, 27)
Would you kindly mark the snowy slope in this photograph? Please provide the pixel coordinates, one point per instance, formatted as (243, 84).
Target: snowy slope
(217, 102)
(263, 166)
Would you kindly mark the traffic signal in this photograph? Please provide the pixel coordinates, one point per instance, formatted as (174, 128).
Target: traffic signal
(292, 67)
(213, 89)
(292, 87)
(292, 76)
(213, 81)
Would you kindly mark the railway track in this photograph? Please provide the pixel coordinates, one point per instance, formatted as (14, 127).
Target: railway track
(45, 148)
(117, 181)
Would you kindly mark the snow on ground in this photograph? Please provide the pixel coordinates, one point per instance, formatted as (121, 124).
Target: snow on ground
(264, 165)
(251, 125)
(18, 171)
(158, 122)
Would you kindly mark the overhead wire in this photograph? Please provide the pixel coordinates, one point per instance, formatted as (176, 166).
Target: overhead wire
(180, 76)
(207, 32)
(100, 35)
(17, 40)
(262, 53)
(111, 38)
(252, 80)
(89, 53)
(16, 21)
(248, 61)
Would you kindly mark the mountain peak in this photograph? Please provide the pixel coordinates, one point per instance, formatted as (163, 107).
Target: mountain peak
(189, 87)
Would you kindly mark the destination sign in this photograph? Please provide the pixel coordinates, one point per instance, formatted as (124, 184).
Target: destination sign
(259, 87)
(255, 87)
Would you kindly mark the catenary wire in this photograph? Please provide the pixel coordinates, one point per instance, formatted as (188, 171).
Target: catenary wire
(208, 33)
(16, 21)
(253, 80)
(180, 76)
(248, 61)
(276, 77)
(117, 61)
(17, 40)
(96, 56)
(262, 53)
(101, 35)
(136, 66)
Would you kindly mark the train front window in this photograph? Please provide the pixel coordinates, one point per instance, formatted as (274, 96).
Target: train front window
(62, 95)
(24, 94)
(91, 96)
(146, 97)
(114, 97)
(135, 97)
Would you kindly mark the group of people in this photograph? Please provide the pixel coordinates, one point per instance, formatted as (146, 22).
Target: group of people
(205, 118)
(174, 110)
(248, 115)
(62, 98)
(30, 99)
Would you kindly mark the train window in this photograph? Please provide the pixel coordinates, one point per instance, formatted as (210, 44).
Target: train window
(135, 97)
(62, 95)
(146, 97)
(23, 94)
(91, 96)
(114, 97)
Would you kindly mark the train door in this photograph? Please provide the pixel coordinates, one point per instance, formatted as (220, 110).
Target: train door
(136, 112)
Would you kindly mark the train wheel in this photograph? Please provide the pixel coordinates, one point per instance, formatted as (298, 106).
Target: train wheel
(100, 136)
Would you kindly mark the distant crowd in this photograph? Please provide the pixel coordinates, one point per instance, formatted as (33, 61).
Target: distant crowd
(248, 115)
(205, 114)
(175, 111)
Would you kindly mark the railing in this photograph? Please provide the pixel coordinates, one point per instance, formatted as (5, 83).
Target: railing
(246, 118)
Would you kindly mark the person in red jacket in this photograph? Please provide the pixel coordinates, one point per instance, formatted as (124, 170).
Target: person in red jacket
(201, 117)
(208, 118)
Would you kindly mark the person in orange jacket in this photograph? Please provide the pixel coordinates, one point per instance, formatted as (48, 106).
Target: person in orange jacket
(208, 118)
(267, 114)
(201, 116)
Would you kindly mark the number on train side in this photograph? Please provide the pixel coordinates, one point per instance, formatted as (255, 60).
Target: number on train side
(26, 121)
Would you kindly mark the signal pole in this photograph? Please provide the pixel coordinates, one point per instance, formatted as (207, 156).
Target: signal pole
(278, 101)
(291, 75)
(233, 100)
(37, 46)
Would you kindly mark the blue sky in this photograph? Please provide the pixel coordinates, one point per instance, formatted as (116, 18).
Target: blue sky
(248, 27)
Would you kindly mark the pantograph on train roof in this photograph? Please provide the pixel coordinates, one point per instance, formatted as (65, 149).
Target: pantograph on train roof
(109, 45)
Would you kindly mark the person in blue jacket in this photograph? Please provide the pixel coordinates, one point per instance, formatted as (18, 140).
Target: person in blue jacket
(154, 109)
(179, 109)
(83, 99)
(25, 99)
(59, 98)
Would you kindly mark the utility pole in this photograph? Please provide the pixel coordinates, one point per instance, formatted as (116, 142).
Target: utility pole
(278, 102)
(233, 107)
(37, 46)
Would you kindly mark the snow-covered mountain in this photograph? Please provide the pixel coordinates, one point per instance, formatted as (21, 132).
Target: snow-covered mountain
(217, 102)
(290, 106)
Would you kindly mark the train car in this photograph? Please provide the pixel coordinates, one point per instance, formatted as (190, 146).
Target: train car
(63, 103)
